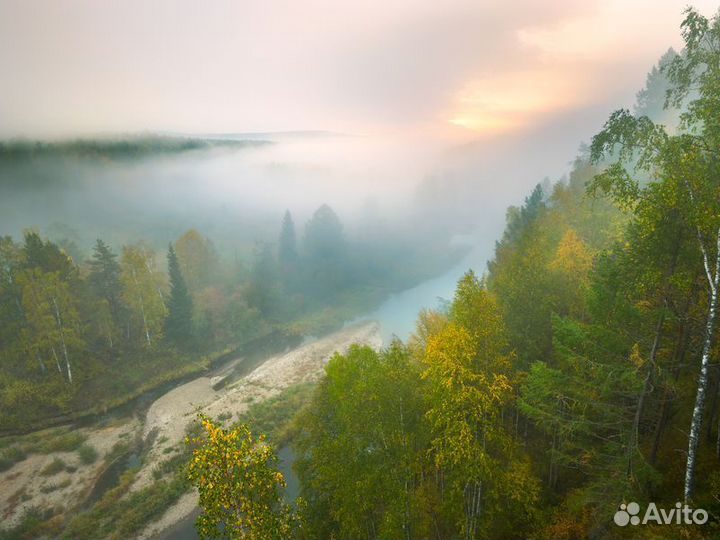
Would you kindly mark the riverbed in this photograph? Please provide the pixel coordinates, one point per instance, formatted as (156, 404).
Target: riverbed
(253, 378)
(396, 317)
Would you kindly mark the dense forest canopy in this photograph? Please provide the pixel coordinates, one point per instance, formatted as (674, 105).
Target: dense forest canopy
(577, 374)
(79, 335)
(560, 390)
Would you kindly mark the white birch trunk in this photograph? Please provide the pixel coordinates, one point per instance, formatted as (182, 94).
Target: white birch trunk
(697, 417)
(57, 362)
(39, 359)
(142, 309)
(62, 340)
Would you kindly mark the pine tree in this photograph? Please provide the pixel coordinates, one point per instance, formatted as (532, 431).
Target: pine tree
(105, 276)
(198, 260)
(178, 324)
(325, 251)
(287, 248)
(47, 256)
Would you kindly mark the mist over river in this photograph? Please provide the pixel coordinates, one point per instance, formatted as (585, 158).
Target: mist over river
(396, 316)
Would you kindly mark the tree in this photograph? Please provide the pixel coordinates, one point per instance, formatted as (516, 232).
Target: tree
(141, 290)
(104, 277)
(571, 269)
(685, 165)
(239, 484)
(287, 246)
(651, 99)
(178, 324)
(518, 219)
(514, 278)
(11, 312)
(490, 482)
(429, 323)
(263, 290)
(47, 256)
(51, 315)
(587, 403)
(325, 252)
(197, 258)
(361, 448)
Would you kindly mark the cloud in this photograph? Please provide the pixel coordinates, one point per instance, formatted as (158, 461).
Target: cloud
(82, 66)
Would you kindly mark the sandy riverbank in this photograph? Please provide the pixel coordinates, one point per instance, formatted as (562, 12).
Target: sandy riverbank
(170, 414)
(24, 486)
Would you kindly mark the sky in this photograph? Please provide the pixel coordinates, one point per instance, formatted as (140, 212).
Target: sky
(451, 69)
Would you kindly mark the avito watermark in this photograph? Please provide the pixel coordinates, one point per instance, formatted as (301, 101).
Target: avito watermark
(681, 514)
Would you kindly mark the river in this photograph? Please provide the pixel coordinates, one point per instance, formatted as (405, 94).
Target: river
(397, 316)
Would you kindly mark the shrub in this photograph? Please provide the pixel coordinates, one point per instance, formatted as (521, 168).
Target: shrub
(54, 487)
(87, 454)
(67, 442)
(54, 467)
(28, 526)
(10, 456)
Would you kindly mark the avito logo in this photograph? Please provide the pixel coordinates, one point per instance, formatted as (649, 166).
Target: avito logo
(679, 515)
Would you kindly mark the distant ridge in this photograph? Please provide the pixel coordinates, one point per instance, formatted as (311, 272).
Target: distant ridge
(119, 147)
(267, 135)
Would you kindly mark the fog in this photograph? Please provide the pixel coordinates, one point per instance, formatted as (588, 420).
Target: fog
(237, 194)
(438, 116)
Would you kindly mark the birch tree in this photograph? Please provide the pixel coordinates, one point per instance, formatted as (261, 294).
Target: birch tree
(468, 367)
(240, 486)
(140, 290)
(52, 317)
(685, 165)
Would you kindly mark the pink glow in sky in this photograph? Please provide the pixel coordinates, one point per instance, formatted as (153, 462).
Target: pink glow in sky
(452, 67)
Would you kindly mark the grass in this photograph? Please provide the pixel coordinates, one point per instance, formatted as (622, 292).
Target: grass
(65, 442)
(116, 387)
(171, 465)
(87, 454)
(10, 456)
(49, 488)
(121, 515)
(33, 524)
(55, 466)
(273, 417)
(16, 449)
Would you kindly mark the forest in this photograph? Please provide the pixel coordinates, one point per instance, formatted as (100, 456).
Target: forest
(80, 336)
(565, 386)
(579, 373)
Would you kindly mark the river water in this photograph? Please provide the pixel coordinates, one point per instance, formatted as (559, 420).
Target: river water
(398, 314)
(397, 317)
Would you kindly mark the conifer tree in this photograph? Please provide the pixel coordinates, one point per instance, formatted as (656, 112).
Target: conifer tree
(287, 248)
(104, 276)
(178, 324)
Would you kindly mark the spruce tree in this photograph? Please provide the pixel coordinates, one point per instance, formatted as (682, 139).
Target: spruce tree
(178, 324)
(104, 276)
(287, 249)
(288, 259)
